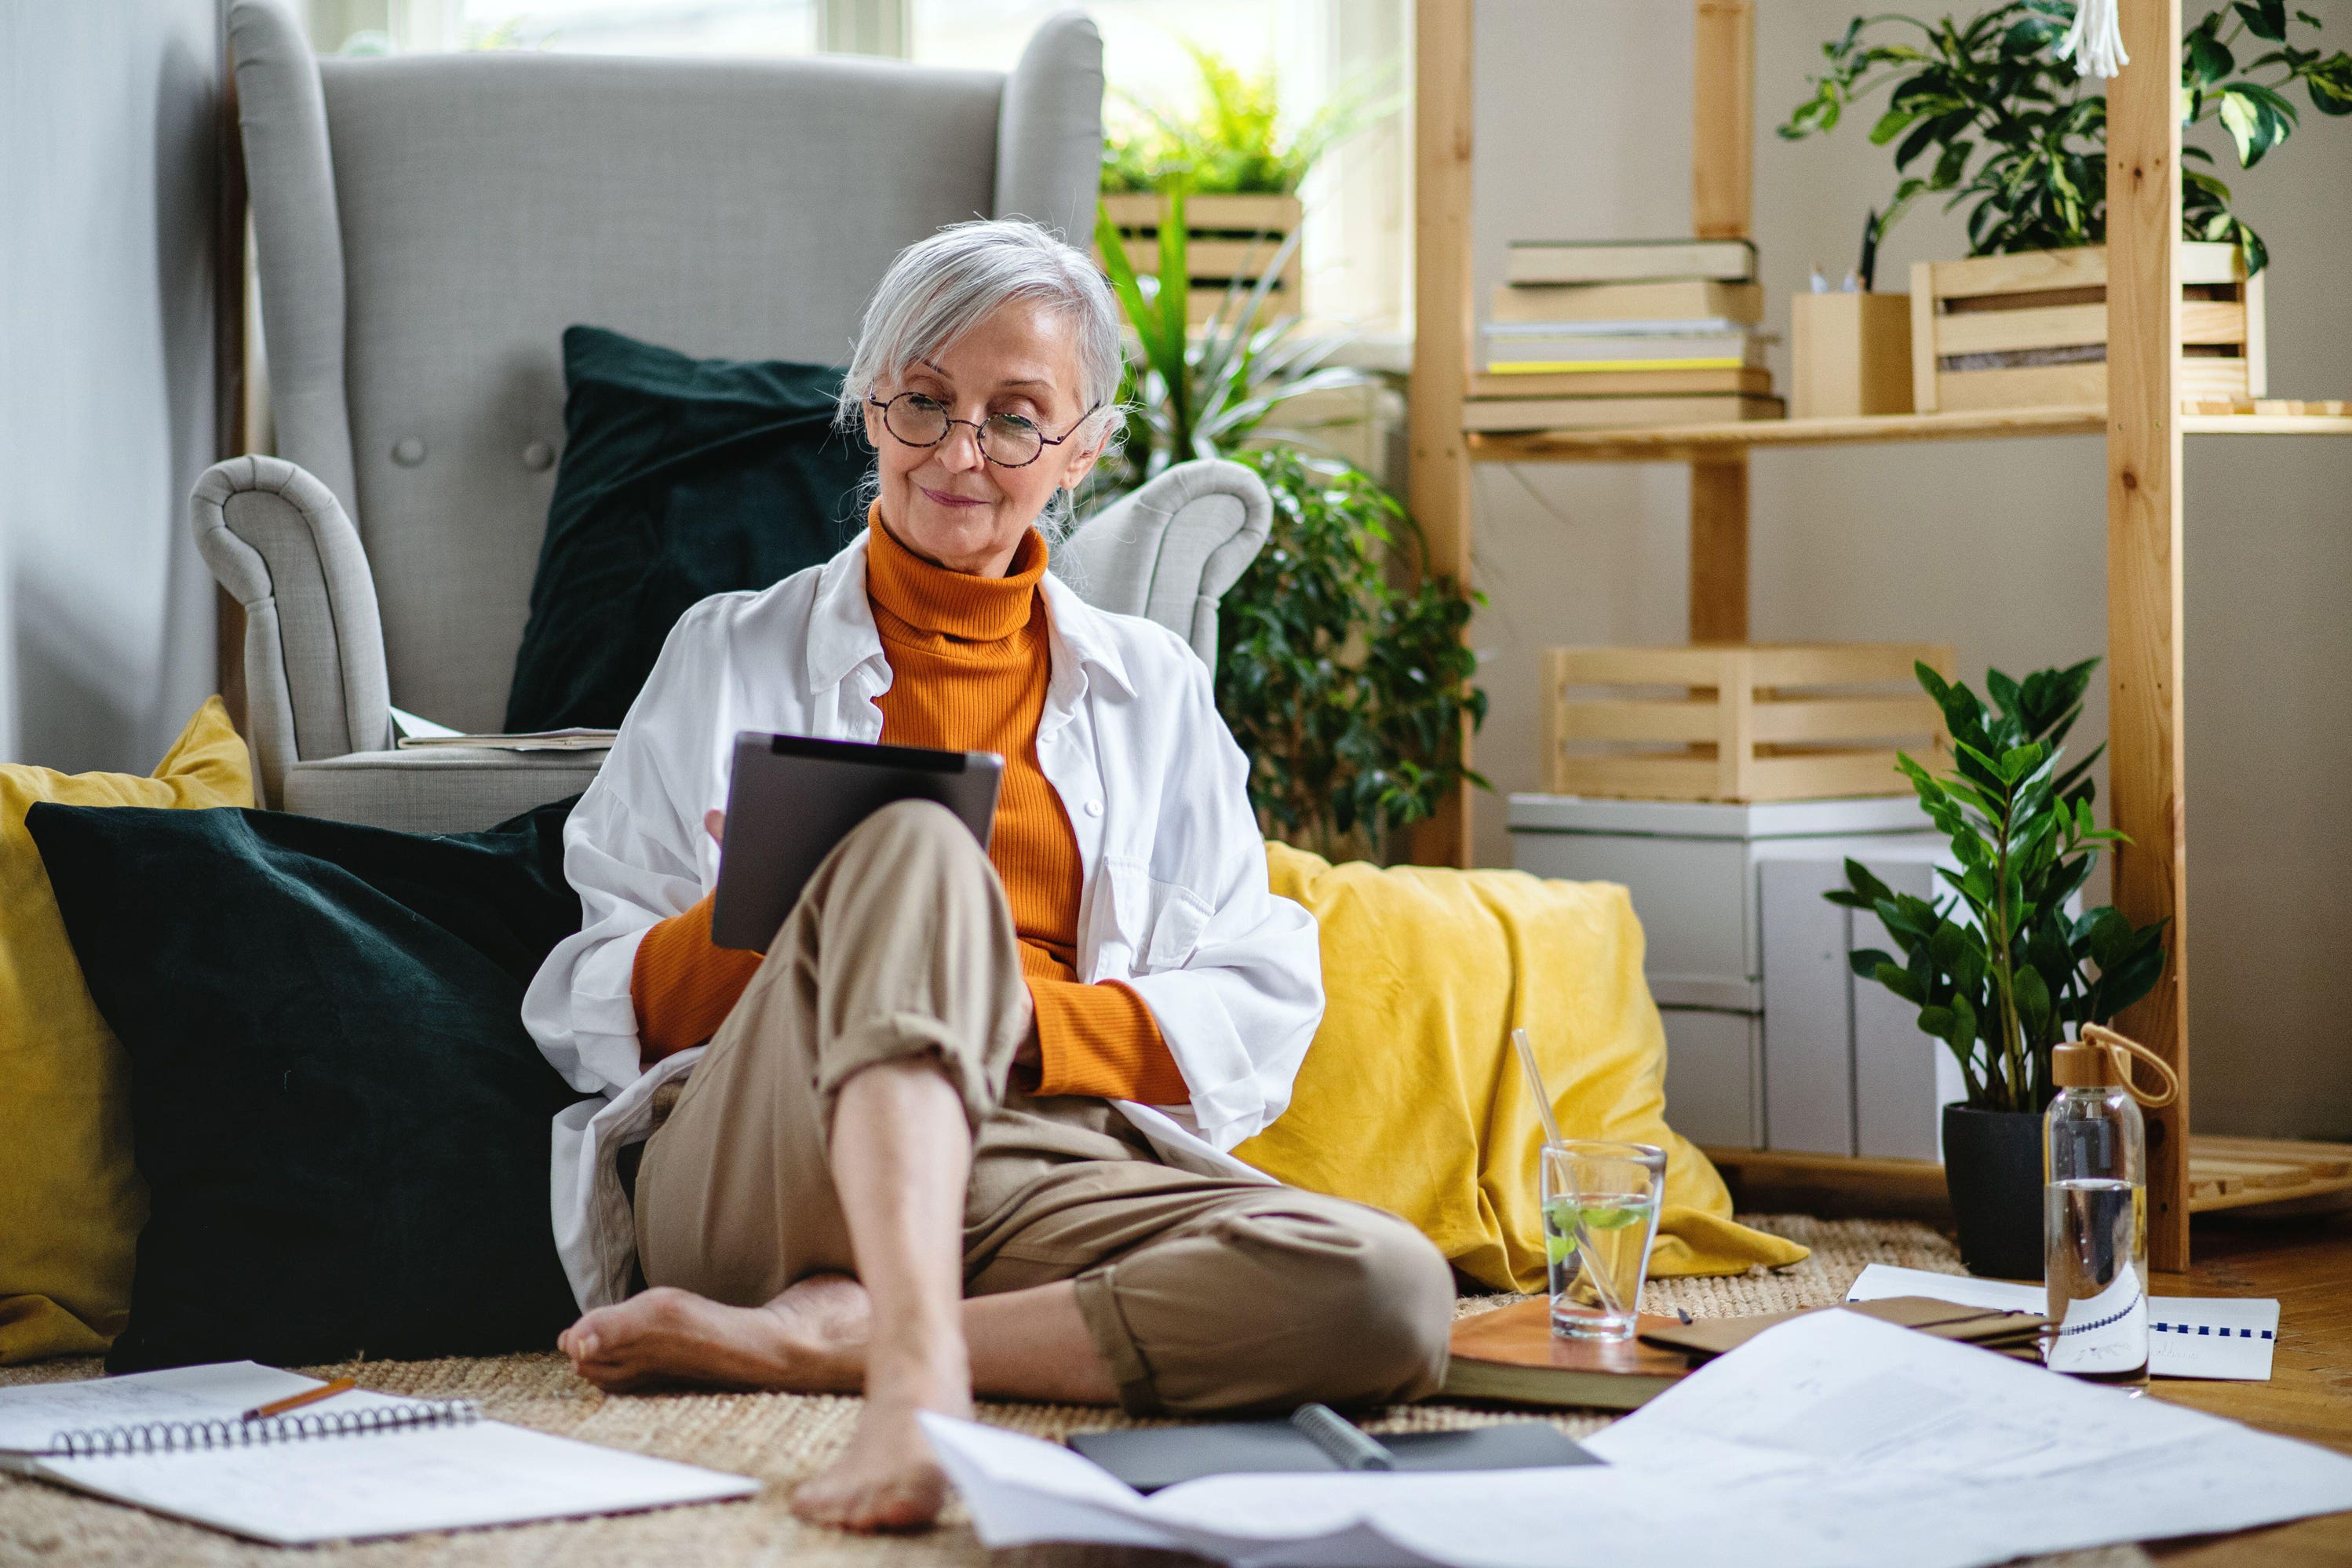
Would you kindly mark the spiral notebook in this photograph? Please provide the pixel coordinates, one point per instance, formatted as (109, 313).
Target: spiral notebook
(355, 1466)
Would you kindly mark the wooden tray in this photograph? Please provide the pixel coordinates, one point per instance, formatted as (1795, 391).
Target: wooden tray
(2249, 1172)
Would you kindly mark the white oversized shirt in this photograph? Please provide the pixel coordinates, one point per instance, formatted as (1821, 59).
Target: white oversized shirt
(1174, 898)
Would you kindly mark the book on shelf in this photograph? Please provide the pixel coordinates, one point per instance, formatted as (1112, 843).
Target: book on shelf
(1513, 381)
(1629, 260)
(1527, 353)
(1615, 413)
(1657, 327)
(1661, 300)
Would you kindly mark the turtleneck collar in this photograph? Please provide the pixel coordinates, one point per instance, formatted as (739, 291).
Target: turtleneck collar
(955, 604)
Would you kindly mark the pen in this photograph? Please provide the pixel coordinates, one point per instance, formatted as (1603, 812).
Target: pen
(1344, 1443)
(296, 1401)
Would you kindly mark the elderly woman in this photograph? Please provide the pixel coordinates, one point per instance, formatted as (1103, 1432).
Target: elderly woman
(962, 1127)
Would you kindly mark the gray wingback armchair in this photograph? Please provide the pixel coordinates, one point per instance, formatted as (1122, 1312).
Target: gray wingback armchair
(426, 227)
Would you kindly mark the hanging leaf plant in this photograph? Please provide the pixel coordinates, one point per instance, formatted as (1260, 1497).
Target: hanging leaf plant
(1983, 112)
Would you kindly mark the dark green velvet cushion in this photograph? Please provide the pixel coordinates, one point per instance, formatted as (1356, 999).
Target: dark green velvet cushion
(342, 1124)
(681, 478)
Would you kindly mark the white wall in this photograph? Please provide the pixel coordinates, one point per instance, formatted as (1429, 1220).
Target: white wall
(1998, 547)
(106, 392)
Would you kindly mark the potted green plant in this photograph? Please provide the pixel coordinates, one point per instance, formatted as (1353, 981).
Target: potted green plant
(1992, 116)
(1347, 692)
(1241, 163)
(1993, 113)
(2000, 970)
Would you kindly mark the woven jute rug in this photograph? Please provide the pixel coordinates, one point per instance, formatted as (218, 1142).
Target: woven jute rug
(782, 1438)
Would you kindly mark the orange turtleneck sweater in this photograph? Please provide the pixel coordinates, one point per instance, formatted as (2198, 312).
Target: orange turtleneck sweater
(969, 664)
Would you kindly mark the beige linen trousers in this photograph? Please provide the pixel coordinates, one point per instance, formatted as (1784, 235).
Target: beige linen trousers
(1203, 1293)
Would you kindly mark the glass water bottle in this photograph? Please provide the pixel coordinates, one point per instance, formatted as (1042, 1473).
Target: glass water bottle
(2095, 1218)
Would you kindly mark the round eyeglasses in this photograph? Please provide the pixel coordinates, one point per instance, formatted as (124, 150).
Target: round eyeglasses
(1007, 440)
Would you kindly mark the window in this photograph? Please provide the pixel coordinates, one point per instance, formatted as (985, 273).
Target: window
(1356, 250)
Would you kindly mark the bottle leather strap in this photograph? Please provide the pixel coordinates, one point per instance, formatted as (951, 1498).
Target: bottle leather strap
(2124, 1051)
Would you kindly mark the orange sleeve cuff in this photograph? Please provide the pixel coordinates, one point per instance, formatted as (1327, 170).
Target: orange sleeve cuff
(1102, 1040)
(683, 986)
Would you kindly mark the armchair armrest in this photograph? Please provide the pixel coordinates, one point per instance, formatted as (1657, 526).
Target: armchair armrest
(1169, 548)
(275, 538)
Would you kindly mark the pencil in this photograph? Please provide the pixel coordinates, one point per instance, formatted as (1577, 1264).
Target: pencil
(296, 1401)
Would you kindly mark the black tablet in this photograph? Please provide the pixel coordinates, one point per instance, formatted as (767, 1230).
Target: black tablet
(791, 799)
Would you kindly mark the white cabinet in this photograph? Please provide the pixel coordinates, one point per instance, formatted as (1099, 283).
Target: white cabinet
(1758, 1005)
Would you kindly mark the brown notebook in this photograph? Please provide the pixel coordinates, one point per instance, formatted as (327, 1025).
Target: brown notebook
(1513, 1357)
(1706, 1338)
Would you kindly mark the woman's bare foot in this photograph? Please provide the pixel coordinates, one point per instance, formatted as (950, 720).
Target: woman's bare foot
(887, 1479)
(810, 1340)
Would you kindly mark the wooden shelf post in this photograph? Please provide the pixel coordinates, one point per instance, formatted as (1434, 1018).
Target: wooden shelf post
(1723, 190)
(1437, 486)
(2144, 589)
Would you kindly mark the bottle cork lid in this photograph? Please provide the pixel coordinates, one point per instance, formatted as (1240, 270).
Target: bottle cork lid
(2076, 1066)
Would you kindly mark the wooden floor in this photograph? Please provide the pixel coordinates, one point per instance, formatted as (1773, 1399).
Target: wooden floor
(2307, 1266)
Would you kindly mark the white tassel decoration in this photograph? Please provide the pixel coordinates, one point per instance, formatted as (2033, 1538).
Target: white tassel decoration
(2095, 42)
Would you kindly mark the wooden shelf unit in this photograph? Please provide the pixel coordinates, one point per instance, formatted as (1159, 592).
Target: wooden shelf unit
(1693, 443)
(2143, 422)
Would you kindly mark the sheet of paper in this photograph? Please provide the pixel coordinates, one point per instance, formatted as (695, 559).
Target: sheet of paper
(1831, 1441)
(391, 1483)
(2212, 1336)
(2189, 1336)
(32, 1414)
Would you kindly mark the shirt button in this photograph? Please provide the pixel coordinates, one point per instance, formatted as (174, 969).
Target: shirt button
(1094, 808)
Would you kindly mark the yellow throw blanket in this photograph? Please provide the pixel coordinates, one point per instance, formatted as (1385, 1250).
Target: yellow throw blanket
(1410, 1098)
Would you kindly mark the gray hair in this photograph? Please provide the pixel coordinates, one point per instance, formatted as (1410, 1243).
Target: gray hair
(940, 288)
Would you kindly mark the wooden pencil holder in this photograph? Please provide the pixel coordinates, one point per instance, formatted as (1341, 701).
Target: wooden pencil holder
(1739, 723)
(1851, 356)
(2030, 331)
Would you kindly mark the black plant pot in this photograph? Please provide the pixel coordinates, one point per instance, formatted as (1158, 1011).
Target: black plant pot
(1992, 1167)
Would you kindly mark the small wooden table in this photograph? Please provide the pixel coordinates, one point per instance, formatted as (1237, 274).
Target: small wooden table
(2307, 1266)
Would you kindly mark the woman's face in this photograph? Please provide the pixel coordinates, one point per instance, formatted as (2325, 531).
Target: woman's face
(947, 502)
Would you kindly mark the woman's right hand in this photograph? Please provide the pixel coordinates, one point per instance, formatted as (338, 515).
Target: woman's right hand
(714, 823)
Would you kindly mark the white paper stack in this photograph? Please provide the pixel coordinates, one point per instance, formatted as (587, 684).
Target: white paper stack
(1831, 1441)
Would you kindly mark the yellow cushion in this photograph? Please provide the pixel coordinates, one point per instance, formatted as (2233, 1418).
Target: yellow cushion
(74, 1201)
(1411, 1098)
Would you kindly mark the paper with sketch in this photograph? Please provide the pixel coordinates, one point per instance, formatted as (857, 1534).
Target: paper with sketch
(2188, 1336)
(34, 1414)
(322, 1488)
(391, 1483)
(1831, 1440)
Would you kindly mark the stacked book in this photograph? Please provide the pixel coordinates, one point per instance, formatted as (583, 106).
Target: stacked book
(1601, 334)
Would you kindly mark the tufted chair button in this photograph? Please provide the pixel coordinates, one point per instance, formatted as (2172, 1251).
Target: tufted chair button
(408, 451)
(539, 457)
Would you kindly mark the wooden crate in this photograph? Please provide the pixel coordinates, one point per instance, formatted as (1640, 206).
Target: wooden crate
(1225, 238)
(2042, 304)
(1750, 723)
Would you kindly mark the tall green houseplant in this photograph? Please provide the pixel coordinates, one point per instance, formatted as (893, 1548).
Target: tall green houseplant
(1348, 693)
(1234, 142)
(1983, 111)
(2000, 972)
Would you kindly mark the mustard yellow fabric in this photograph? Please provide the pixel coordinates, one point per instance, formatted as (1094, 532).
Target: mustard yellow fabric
(1411, 1099)
(72, 1198)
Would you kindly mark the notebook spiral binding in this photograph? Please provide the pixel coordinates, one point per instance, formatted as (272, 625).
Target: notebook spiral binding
(176, 1436)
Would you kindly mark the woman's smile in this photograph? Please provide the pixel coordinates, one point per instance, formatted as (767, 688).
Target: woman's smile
(948, 498)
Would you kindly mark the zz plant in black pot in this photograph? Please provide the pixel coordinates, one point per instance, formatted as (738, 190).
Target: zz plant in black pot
(1999, 968)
